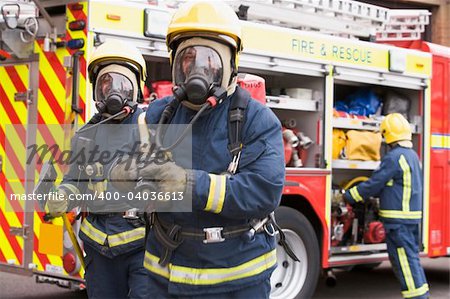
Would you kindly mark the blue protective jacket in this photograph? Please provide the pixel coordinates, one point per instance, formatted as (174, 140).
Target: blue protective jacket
(104, 229)
(221, 200)
(398, 184)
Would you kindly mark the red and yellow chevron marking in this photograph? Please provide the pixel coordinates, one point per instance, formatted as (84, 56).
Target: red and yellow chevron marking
(52, 110)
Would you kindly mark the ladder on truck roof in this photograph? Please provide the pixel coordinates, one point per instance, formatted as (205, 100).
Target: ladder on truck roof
(404, 24)
(337, 17)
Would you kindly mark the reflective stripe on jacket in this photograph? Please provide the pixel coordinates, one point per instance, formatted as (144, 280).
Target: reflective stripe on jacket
(112, 235)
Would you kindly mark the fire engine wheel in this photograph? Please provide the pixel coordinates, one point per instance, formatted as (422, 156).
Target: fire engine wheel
(296, 279)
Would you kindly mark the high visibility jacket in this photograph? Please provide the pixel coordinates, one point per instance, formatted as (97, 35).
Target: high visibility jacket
(104, 228)
(398, 183)
(221, 200)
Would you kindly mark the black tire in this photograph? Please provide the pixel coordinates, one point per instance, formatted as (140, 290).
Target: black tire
(297, 228)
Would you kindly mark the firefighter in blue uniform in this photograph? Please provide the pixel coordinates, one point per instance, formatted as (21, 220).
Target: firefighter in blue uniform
(398, 183)
(113, 232)
(225, 247)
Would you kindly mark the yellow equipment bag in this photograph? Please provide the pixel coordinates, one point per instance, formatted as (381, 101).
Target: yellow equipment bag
(363, 145)
(339, 140)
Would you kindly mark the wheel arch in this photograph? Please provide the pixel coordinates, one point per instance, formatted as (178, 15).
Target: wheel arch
(301, 204)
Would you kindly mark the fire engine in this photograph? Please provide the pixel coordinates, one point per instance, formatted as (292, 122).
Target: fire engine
(314, 58)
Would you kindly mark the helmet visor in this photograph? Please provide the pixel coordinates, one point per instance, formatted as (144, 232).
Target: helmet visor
(198, 61)
(113, 83)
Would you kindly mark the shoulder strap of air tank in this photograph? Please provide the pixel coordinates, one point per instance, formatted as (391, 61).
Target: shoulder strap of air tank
(236, 120)
(144, 134)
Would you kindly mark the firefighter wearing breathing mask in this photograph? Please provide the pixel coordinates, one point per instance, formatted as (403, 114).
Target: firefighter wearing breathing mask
(113, 231)
(225, 247)
(398, 183)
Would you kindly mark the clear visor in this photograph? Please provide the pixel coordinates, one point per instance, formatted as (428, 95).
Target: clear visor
(113, 83)
(198, 61)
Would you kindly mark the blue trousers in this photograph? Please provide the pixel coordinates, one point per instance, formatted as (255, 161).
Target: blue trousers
(121, 277)
(402, 244)
(158, 289)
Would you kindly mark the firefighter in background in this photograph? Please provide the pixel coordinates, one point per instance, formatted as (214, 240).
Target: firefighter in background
(398, 184)
(113, 239)
(225, 247)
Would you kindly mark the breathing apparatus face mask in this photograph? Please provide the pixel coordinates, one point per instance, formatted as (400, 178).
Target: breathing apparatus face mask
(115, 89)
(201, 69)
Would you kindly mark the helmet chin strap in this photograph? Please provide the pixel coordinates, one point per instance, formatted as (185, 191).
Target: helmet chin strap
(230, 90)
(128, 108)
(120, 115)
(191, 106)
(215, 94)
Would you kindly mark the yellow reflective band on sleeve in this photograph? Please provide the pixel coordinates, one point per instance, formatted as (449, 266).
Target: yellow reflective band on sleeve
(216, 195)
(406, 183)
(403, 259)
(400, 214)
(94, 234)
(390, 183)
(355, 194)
(126, 237)
(211, 276)
(151, 264)
(416, 292)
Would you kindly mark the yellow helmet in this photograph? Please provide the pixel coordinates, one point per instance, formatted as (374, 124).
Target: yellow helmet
(395, 128)
(209, 18)
(118, 52)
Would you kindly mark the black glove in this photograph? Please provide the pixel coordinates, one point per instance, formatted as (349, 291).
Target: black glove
(339, 196)
(58, 205)
(168, 176)
(123, 174)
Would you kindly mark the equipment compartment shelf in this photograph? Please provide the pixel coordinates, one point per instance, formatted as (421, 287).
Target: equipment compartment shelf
(356, 123)
(358, 248)
(353, 164)
(285, 102)
(362, 124)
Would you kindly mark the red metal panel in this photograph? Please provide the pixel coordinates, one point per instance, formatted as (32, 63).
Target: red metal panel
(439, 230)
(312, 187)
